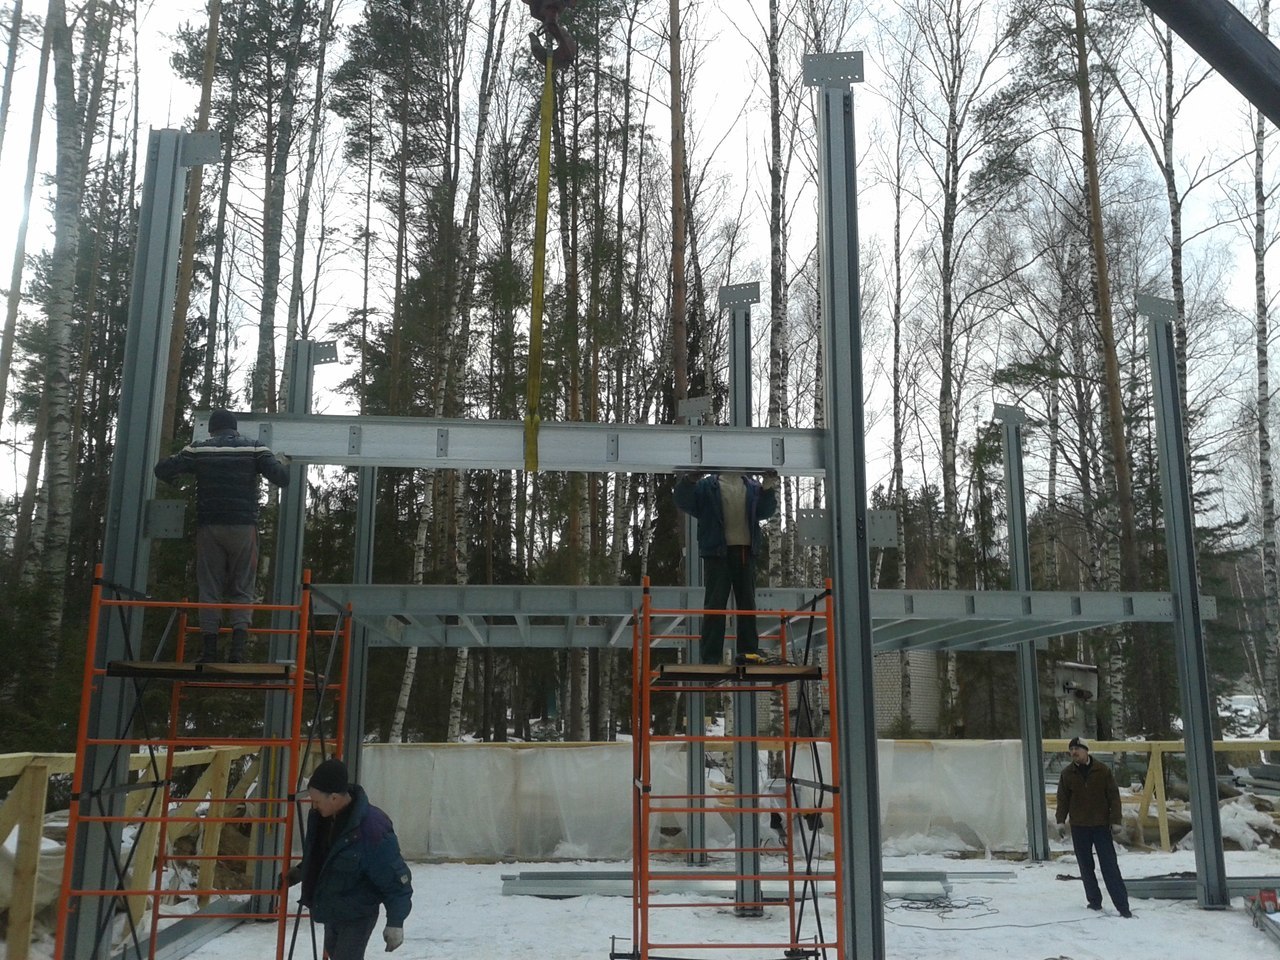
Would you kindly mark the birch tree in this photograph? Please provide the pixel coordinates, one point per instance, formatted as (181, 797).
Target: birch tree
(69, 187)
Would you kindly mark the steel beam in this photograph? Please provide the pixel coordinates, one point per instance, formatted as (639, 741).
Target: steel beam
(1188, 628)
(1231, 44)
(433, 443)
(862, 909)
(1188, 888)
(535, 616)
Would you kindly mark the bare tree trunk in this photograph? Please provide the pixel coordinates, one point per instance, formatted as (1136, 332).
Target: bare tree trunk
(1266, 477)
(273, 220)
(777, 267)
(679, 331)
(23, 530)
(10, 64)
(304, 201)
(20, 243)
(411, 655)
(60, 458)
(399, 393)
(190, 224)
(207, 392)
(1129, 569)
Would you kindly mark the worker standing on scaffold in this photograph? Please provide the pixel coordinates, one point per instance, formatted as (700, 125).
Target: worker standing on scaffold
(728, 508)
(226, 467)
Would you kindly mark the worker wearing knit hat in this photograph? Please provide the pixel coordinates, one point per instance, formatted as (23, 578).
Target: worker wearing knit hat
(330, 777)
(345, 892)
(1089, 798)
(226, 467)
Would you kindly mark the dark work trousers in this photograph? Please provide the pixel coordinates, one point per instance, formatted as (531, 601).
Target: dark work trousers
(737, 572)
(1086, 840)
(226, 568)
(347, 941)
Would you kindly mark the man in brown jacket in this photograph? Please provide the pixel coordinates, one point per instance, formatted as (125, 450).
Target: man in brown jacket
(1089, 797)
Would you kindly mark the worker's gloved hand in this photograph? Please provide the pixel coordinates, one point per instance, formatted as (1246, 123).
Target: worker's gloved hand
(771, 479)
(393, 937)
(293, 876)
(1117, 830)
(1061, 829)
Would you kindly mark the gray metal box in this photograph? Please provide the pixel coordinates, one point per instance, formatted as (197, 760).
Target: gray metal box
(165, 519)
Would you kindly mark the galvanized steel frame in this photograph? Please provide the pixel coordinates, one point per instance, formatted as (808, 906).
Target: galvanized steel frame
(126, 549)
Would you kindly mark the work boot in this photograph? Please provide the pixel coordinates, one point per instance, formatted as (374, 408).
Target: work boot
(239, 637)
(210, 652)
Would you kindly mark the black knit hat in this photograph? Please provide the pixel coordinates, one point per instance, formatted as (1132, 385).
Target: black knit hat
(1077, 742)
(330, 777)
(221, 420)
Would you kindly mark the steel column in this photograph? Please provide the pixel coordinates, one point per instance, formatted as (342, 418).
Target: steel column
(286, 588)
(361, 572)
(1188, 628)
(1029, 718)
(746, 769)
(738, 299)
(846, 488)
(127, 549)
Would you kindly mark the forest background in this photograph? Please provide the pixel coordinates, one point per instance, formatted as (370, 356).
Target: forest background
(1026, 171)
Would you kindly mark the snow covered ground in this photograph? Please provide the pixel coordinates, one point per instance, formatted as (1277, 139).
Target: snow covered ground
(460, 914)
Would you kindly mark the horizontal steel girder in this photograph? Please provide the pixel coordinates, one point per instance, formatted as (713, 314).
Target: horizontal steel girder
(499, 444)
(541, 616)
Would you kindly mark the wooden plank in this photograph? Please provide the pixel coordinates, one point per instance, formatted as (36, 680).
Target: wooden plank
(1162, 812)
(758, 672)
(201, 672)
(1144, 801)
(12, 764)
(31, 790)
(211, 836)
(142, 875)
(187, 806)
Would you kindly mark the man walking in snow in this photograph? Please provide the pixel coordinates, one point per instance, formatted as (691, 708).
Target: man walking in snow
(728, 508)
(1089, 798)
(350, 865)
(227, 467)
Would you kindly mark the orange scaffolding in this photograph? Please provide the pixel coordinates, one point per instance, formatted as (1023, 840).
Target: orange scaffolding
(805, 880)
(315, 696)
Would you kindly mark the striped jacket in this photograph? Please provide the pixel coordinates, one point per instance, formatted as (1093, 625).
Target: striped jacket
(227, 467)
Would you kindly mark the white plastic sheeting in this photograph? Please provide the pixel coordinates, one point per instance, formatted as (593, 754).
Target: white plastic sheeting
(48, 872)
(574, 801)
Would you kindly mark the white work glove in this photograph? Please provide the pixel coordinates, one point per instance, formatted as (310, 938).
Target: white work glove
(1062, 830)
(771, 480)
(393, 937)
(1117, 830)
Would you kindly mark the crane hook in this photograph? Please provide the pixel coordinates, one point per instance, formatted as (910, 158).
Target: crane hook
(547, 12)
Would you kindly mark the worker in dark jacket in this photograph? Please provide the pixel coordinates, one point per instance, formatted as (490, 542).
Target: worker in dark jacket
(351, 863)
(226, 467)
(1089, 798)
(728, 508)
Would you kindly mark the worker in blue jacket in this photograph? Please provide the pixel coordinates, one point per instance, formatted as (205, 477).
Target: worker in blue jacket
(351, 863)
(728, 508)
